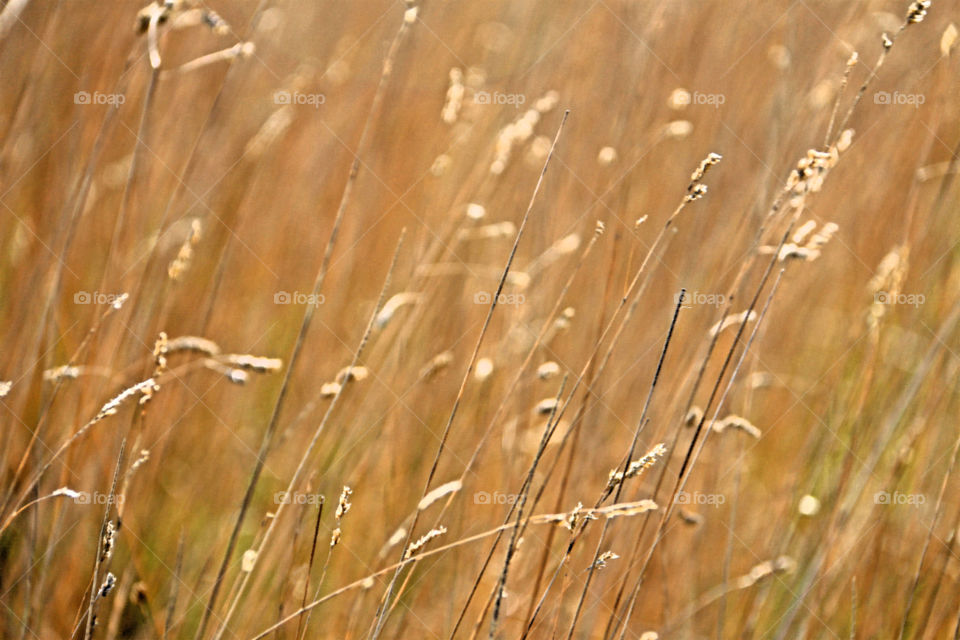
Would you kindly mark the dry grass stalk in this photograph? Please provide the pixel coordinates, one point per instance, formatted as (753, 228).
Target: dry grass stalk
(239, 51)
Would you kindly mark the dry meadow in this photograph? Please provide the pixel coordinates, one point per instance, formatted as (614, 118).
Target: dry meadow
(510, 319)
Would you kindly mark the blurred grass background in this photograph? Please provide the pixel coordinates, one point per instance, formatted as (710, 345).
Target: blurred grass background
(101, 199)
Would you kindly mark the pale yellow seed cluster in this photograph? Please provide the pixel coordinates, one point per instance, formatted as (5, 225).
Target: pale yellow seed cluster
(887, 283)
(918, 11)
(451, 108)
(696, 189)
(607, 156)
(424, 539)
(679, 99)
(443, 490)
(547, 405)
(575, 517)
(349, 374)
(236, 376)
(548, 370)
(518, 132)
(739, 423)
(476, 211)
(626, 509)
(562, 247)
(112, 405)
(393, 304)
(689, 518)
(63, 372)
(249, 560)
(437, 363)
(798, 249)
(693, 417)
(678, 129)
(176, 14)
(193, 343)
(484, 369)
(270, 131)
(562, 323)
(410, 15)
(233, 365)
(254, 363)
(181, 14)
(109, 582)
(330, 389)
(185, 255)
(808, 506)
(813, 168)
(783, 564)
(118, 303)
(604, 558)
(731, 320)
(949, 39)
(638, 466)
(215, 22)
(579, 514)
(343, 506)
(504, 229)
(537, 151)
(108, 541)
(144, 456)
(160, 348)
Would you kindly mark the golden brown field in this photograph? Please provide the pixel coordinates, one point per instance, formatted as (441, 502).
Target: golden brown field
(506, 319)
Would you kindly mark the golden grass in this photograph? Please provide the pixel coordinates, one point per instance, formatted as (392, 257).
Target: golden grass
(603, 320)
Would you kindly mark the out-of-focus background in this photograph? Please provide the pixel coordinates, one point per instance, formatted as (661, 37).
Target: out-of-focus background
(188, 168)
